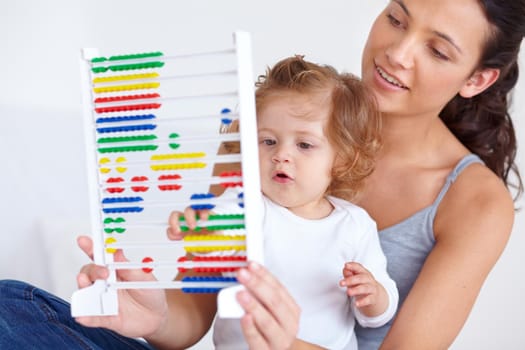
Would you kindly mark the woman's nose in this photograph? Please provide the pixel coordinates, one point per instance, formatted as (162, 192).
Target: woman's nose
(401, 52)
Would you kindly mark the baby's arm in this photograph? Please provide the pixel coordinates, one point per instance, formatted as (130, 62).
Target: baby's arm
(374, 293)
(370, 297)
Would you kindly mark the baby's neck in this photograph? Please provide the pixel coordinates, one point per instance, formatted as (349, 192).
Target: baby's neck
(313, 210)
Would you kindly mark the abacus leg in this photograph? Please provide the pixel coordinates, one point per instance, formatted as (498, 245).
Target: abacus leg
(227, 304)
(94, 300)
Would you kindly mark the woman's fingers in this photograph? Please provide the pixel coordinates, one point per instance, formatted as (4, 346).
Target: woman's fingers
(260, 327)
(252, 335)
(83, 280)
(131, 274)
(269, 307)
(90, 273)
(86, 244)
(97, 321)
(270, 291)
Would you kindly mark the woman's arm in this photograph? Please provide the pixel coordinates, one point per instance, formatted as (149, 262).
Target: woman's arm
(189, 318)
(168, 319)
(271, 320)
(472, 227)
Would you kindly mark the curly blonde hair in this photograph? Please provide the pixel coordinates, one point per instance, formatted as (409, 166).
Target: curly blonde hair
(354, 125)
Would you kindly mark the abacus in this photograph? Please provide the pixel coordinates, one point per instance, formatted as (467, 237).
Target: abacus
(153, 124)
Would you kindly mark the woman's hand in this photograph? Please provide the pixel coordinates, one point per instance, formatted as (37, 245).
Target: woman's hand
(142, 312)
(271, 319)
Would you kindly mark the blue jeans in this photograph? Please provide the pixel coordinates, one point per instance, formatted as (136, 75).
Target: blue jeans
(31, 318)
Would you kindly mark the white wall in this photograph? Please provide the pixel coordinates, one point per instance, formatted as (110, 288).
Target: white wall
(44, 203)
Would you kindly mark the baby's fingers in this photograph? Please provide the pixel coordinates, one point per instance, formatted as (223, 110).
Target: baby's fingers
(353, 268)
(190, 215)
(173, 231)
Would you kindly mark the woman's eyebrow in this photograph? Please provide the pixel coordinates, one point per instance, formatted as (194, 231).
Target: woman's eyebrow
(438, 33)
(448, 39)
(403, 6)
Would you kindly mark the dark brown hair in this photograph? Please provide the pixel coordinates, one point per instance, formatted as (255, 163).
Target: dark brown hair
(482, 123)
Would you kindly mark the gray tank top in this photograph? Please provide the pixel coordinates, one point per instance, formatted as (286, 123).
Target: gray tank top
(406, 246)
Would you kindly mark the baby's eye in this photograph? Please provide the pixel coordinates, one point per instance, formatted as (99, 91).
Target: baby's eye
(304, 145)
(268, 142)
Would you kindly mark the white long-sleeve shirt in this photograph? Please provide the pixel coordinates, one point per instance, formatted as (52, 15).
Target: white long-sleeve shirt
(308, 256)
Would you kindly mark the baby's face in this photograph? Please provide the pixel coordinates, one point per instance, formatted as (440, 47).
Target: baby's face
(295, 155)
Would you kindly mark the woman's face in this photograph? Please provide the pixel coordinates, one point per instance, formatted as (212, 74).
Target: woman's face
(420, 53)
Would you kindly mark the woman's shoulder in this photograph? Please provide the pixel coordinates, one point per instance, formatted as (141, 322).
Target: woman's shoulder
(480, 188)
(477, 202)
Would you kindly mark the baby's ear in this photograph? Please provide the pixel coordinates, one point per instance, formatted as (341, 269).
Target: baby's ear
(479, 82)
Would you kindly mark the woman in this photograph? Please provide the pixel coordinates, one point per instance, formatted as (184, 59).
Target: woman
(441, 71)
(444, 217)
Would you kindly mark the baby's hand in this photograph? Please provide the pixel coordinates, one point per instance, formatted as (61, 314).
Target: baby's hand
(369, 295)
(174, 231)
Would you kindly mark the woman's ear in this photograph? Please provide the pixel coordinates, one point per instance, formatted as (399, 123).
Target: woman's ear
(479, 82)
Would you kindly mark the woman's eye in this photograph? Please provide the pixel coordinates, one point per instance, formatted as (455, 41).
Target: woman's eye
(439, 54)
(394, 21)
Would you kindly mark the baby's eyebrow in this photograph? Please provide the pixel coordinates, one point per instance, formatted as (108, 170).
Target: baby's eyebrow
(265, 130)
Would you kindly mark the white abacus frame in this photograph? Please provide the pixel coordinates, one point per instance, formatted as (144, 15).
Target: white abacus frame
(101, 298)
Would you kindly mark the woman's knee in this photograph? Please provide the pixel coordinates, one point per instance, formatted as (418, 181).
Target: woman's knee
(19, 300)
(13, 289)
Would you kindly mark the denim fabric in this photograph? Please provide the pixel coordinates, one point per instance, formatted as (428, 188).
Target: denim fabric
(31, 318)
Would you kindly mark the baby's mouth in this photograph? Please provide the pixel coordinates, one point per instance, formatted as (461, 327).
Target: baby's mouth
(281, 176)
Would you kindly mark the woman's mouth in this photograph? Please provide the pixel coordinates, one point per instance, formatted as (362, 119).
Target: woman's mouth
(390, 79)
